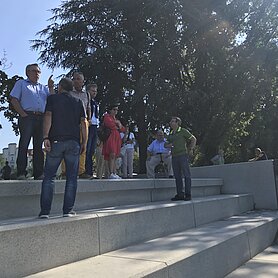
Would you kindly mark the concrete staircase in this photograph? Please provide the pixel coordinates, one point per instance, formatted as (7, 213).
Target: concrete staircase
(129, 228)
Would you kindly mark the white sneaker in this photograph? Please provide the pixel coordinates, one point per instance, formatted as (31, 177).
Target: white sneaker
(117, 177)
(70, 214)
(112, 177)
(44, 216)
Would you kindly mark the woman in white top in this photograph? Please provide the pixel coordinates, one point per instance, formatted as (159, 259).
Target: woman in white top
(127, 152)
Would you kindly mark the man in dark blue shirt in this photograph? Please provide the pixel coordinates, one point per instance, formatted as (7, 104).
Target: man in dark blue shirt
(63, 117)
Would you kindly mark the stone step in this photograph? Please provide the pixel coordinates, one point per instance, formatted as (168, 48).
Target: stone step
(264, 265)
(32, 245)
(21, 198)
(212, 251)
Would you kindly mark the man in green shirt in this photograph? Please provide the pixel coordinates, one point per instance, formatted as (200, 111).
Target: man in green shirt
(177, 141)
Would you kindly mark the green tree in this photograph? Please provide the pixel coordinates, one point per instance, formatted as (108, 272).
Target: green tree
(121, 45)
(212, 63)
(6, 85)
(227, 73)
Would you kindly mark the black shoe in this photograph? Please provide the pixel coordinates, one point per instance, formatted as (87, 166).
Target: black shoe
(178, 198)
(41, 177)
(171, 177)
(187, 198)
(21, 177)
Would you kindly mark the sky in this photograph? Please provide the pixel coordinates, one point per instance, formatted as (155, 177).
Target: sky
(19, 23)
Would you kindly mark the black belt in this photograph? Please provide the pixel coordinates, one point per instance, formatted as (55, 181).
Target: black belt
(34, 113)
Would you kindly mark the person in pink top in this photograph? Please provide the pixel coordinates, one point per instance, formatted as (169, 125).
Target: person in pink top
(112, 146)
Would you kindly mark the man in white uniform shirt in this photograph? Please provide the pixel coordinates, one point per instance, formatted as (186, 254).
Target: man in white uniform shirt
(155, 152)
(93, 125)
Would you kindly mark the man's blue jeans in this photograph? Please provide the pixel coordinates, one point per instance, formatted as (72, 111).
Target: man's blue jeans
(181, 169)
(90, 150)
(69, 151)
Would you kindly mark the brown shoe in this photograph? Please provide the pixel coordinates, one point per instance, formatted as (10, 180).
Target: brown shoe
(84, 176)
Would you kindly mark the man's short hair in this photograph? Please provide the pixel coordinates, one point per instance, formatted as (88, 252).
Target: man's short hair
(92, 85)
(66, 84)
(28, 67)
(79, 73)
(177, 119)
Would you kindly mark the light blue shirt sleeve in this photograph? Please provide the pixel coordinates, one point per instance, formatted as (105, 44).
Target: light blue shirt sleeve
(150, 147)
(16, 91)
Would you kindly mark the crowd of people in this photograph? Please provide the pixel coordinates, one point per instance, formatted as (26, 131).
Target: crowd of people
(66, 124)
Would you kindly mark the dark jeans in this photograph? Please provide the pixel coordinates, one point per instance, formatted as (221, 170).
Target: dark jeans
(181, 169)
(69, 151)
(90, 150)
(30, 126)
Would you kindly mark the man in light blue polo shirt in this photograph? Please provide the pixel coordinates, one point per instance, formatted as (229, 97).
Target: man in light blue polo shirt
(28, 98)
(156, 152)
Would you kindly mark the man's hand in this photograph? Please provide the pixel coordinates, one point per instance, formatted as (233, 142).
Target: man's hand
(18, 108)
(168, 145)
(190, 152)
(50, 83)
(47, 145)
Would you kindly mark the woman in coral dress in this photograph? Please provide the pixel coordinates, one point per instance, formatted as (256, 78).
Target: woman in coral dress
(112, 146)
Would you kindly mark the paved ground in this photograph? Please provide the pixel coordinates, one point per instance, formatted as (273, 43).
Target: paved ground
(264, 265)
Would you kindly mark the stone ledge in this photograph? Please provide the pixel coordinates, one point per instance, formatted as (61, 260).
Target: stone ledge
(33, 187)
(21, 198)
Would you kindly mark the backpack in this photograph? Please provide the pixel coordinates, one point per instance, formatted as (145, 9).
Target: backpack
(103, 133)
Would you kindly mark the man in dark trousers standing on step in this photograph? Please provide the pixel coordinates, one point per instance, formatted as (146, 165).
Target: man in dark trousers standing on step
(92, 133)
(177, 141)
(28, 98)
(63, 116)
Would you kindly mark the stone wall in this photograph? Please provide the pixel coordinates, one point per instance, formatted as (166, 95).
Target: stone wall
(258, 178)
